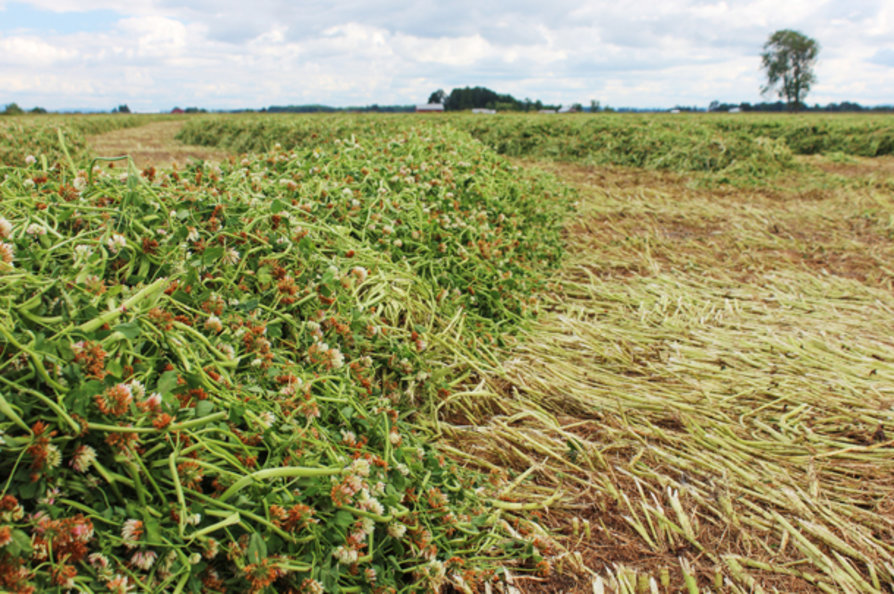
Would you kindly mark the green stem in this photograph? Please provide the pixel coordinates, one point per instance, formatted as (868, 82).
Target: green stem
(7, 411)
(282, 472)
(95, 160)
(199, 421)
(231, 519)
(111, 316)
(49, 402)
(256, 518)
(74, 170)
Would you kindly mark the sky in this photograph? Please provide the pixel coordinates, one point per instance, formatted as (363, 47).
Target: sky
(154, 55)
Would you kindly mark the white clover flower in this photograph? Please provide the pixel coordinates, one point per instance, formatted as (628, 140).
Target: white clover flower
(336, 358)
(345, 555)
(137, 389)
(53, 456)
(83, 458)
(5, 228)
(116, 242)
(7, 255)
(36, 229)
(30, 160)
(143, 559)
(231, 256)
(370, 504)
(192, 235)
(312, 586)
(213, 324)
(360, 466)
(28, 183)
(369, 525)
(266, 419)
(131, 532)
(397, 530)
(153, 402)
(98, 560)
(360, 272)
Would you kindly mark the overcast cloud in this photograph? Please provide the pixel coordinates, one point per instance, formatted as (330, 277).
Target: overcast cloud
(222, 54)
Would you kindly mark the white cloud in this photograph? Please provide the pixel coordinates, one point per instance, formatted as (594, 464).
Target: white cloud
(226, 54)
(32, 51)
(157, 36)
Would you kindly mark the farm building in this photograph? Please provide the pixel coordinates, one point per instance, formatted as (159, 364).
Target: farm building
(483, 110)
(430, 108)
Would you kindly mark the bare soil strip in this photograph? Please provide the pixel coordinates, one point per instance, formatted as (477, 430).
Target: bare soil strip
(153, 145)
(710, 389)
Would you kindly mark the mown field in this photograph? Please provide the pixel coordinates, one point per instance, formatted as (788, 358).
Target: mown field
(648, 353)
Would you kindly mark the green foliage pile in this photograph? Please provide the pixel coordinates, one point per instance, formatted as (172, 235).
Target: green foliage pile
(809, 134)
(738, 148)
(676, 144)
(253, 133)
(208, 379)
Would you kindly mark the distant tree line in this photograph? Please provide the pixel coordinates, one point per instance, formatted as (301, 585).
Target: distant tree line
(844, 106)
(315, 108)
(484, 98)
(14, 109)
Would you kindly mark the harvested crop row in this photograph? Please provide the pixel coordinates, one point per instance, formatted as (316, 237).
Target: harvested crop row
(739, 149)
(208, 378)
(39, 135)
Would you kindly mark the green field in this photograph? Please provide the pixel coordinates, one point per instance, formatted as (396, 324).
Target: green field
(402, 353)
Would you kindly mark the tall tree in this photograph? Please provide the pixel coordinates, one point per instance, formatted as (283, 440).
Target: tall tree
(788, 59)
(438, 96)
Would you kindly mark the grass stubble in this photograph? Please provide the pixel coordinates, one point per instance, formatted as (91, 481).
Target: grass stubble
(153, 145)
(708, 392)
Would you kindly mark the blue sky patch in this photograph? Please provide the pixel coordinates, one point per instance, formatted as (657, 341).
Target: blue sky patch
(16, 16)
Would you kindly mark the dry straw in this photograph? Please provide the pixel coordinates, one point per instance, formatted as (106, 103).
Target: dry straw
(710, 389)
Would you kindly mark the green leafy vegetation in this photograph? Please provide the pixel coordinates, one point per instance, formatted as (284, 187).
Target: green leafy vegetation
(739, 149)
(210, 379)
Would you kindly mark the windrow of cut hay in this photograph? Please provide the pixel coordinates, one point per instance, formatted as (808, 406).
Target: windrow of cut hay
(739, 149)
(21, 136)
(210, 378)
